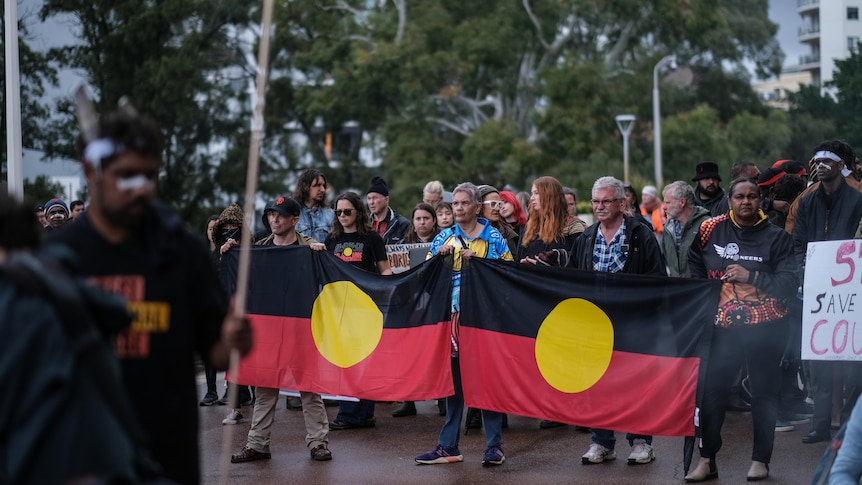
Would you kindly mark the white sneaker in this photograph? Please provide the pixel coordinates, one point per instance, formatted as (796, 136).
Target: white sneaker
(597, 454)
(235, 417)
(641, 453)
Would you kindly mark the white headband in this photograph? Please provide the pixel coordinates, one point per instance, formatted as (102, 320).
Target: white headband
(136, 182)
(98, 150)
(828, 155)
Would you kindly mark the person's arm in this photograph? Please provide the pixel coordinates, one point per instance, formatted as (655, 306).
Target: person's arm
(847, 468)
(696, 265)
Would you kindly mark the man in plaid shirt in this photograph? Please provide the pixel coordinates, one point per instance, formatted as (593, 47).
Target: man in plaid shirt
(616, 243)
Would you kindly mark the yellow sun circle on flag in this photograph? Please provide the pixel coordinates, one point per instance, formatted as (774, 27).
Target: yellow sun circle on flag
(345, 323)
(574, 345)
(347, 251)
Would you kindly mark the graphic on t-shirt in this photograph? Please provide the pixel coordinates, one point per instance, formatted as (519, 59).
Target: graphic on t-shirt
(148, 316)
(349, 251)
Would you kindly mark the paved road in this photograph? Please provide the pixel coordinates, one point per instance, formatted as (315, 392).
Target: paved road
(384, 454)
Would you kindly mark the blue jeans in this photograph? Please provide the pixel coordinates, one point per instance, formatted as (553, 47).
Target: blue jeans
(353, 412)
(451, 432)
(606, 438)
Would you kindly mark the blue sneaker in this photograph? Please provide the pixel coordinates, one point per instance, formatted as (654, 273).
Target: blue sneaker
(441, 454)
(493, 456)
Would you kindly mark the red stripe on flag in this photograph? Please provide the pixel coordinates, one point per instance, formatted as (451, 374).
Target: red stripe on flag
(407, 364)
(639, 393)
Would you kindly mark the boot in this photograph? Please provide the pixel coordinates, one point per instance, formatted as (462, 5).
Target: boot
(758, 471)
(441, 407)
(705, 470)
(407, 408)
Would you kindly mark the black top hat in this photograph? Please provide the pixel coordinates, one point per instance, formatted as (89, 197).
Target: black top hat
(706, 170)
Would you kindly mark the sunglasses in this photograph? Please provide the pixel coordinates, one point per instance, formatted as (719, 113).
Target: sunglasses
(494, 204)
(347, 212)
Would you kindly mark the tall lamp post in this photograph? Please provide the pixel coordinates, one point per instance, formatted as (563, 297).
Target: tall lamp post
(625, 123)
(656, 116)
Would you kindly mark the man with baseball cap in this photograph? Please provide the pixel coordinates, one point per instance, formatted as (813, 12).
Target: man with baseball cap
(708, 193)
(282, 215)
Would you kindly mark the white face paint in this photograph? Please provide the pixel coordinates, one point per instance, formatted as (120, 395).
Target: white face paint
(135, 183)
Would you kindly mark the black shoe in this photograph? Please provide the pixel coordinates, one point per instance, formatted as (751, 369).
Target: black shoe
(339, 425)
(505, 421)
(407, 408)
(441, 407)
(815, 437)
(209, 399)
(793, 418)
(474, 418)
(294, 403)
(547, 424)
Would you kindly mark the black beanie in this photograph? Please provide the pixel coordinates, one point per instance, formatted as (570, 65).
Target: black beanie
(378, 185)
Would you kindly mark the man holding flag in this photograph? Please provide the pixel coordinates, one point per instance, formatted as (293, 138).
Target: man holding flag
(616, 243)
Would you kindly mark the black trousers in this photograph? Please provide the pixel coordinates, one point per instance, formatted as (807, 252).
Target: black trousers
(760, 347)
(822, 374)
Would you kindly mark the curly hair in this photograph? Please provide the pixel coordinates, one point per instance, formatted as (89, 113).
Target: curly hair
(303, 185)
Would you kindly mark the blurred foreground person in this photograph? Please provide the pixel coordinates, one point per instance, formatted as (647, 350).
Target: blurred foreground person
(132, 246)
(68, 422)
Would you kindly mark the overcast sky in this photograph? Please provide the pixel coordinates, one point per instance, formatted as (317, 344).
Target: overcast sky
(783, 13)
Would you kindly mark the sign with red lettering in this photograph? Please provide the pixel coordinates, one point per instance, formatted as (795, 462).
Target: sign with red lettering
(831, 323)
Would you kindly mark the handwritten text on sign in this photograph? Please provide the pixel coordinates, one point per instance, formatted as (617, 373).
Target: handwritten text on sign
(831, 323)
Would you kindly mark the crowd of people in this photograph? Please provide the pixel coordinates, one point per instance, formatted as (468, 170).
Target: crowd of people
(177, 289)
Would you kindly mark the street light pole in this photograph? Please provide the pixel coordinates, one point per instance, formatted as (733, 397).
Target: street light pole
(656, 117)
(625, 123)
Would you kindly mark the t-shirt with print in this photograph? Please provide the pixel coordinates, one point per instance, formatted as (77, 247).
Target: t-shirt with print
(364, 252)
(171, 288)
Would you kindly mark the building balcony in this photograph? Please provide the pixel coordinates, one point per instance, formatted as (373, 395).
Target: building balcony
(806, 5)
(808, 61)
(809, 32)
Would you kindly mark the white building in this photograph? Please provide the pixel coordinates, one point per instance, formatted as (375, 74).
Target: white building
(831, 29)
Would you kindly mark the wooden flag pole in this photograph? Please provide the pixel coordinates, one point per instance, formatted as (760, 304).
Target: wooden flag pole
(250, 196)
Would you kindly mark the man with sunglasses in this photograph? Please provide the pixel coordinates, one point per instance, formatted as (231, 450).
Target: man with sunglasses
(616, 243)
(830, 212)
(391, 226)
(130, 245)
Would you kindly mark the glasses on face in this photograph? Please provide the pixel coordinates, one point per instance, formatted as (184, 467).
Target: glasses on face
(603, 202)
(494, 204)
(346, 212)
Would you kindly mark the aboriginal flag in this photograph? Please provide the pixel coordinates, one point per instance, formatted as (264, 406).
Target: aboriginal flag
(613, 351)
(324, 326)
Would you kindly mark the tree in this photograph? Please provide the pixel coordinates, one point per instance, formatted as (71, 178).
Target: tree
(42, 189)
(185, 64)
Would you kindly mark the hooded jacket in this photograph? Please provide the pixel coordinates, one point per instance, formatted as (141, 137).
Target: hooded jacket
(677, 258)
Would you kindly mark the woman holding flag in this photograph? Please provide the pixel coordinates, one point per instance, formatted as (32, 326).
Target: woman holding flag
(754, 259)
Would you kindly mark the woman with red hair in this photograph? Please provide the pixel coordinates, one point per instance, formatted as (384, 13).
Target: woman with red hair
(512, 212)
(548, 235)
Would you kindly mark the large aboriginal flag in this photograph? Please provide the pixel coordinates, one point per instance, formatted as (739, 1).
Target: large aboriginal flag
(325, 326)
(612, 351)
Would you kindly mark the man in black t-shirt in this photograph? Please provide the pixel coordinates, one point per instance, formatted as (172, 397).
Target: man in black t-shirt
(132, 246)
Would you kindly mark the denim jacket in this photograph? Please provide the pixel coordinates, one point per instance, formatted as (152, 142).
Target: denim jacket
(315, 222)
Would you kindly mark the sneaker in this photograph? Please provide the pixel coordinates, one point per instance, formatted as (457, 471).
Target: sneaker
(235, 417)
(321, 453)
(211, 398)
(783, 426)
(249, 454)
(641, 453)
(441, 454)
(597, 454)
(493, 456)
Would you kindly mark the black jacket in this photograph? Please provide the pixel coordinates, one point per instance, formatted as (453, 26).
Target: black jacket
(644, 255)
(824, 217)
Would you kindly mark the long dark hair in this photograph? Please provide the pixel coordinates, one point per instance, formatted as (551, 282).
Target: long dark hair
(303, 185)
(363, 223)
